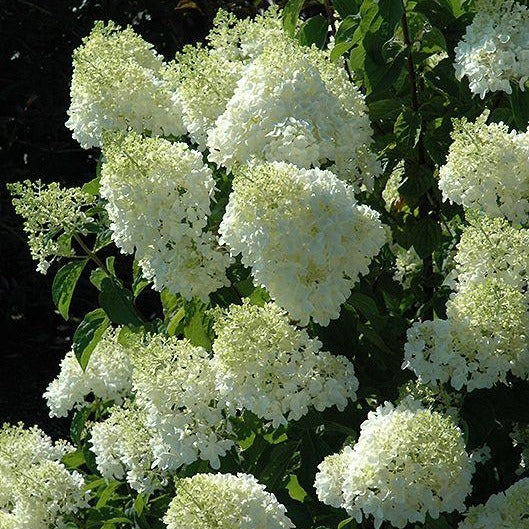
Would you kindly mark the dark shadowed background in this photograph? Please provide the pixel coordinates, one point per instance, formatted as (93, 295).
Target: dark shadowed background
(36, 43)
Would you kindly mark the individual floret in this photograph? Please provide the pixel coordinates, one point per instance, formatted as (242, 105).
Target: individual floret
(120, 82)
(267, 366)
(225, 501)
(303, 234)
(158, 200)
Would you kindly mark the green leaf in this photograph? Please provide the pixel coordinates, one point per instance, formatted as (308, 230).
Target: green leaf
(106, 495)
(346, 7)
(313, 31)
(73, 459)
(88, 334)
(196, 331)
(64, 285)
(364, 304)
(175, 321)
(295, 490)
(78, 424)
(117, 302)
(340, 49)
(407, 129)
(348, 522)
(138, 282)
(92, 187)
(139, 503)
(290, 15)
(426, 236)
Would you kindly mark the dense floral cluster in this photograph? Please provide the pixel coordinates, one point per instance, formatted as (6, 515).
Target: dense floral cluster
(494, 52)
(108, 377)
(36, 489)
(120, 82)
(303, 234)
(174, 382)
(508, 509)
(267, 366)
(158, 200)
(408, 462)
(285, 89)
(122, 447)
(52, 214)
(484, 336)
(487, 169)
(225, 501)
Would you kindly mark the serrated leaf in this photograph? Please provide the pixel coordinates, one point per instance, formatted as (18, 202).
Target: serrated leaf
(407, 129)
(73, 459)
(313, 31)
(78, 424)
(88, 334)
(290, 16)
(139, 503)
(117, 302)
(364, 304)
(92, 188)
(346, 7)
(64, 284)
(106, 495)
(195, 331)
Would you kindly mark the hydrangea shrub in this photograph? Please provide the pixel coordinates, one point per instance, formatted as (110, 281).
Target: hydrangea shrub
(332, 214)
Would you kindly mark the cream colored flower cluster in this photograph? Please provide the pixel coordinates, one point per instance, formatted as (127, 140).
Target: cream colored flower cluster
(284, 88)
(120, 82)
(494, 52)
(108, 377)
(303, 234)
(265, 365)
(408, 462)
(36, 489)
(487, 169)
(52, 214)
(506, 510)
(158, 200)
(484, 338)
(225, 501)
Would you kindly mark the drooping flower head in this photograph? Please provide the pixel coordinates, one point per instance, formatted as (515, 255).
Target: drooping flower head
(408, 462)
(487, 169)
(120, 82)
(52, 214)
(159, 196)
(303, 234)
(508, 509)
(494, 52)
(267, 366)
(225, 501)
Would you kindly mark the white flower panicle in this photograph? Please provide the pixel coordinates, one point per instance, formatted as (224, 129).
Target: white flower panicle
(122, 447)
(108, 376)
(303, 234)
(284, 88)
(491, 248)
(174, 382)
(506, 510)
(159, 197)
(52, 214)
(487, 169)
(482, 340)
(265, 365)
(409, 462)
(205, 77)
(224, 501)
(494, 52)
(120, 82)
(36, 489)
